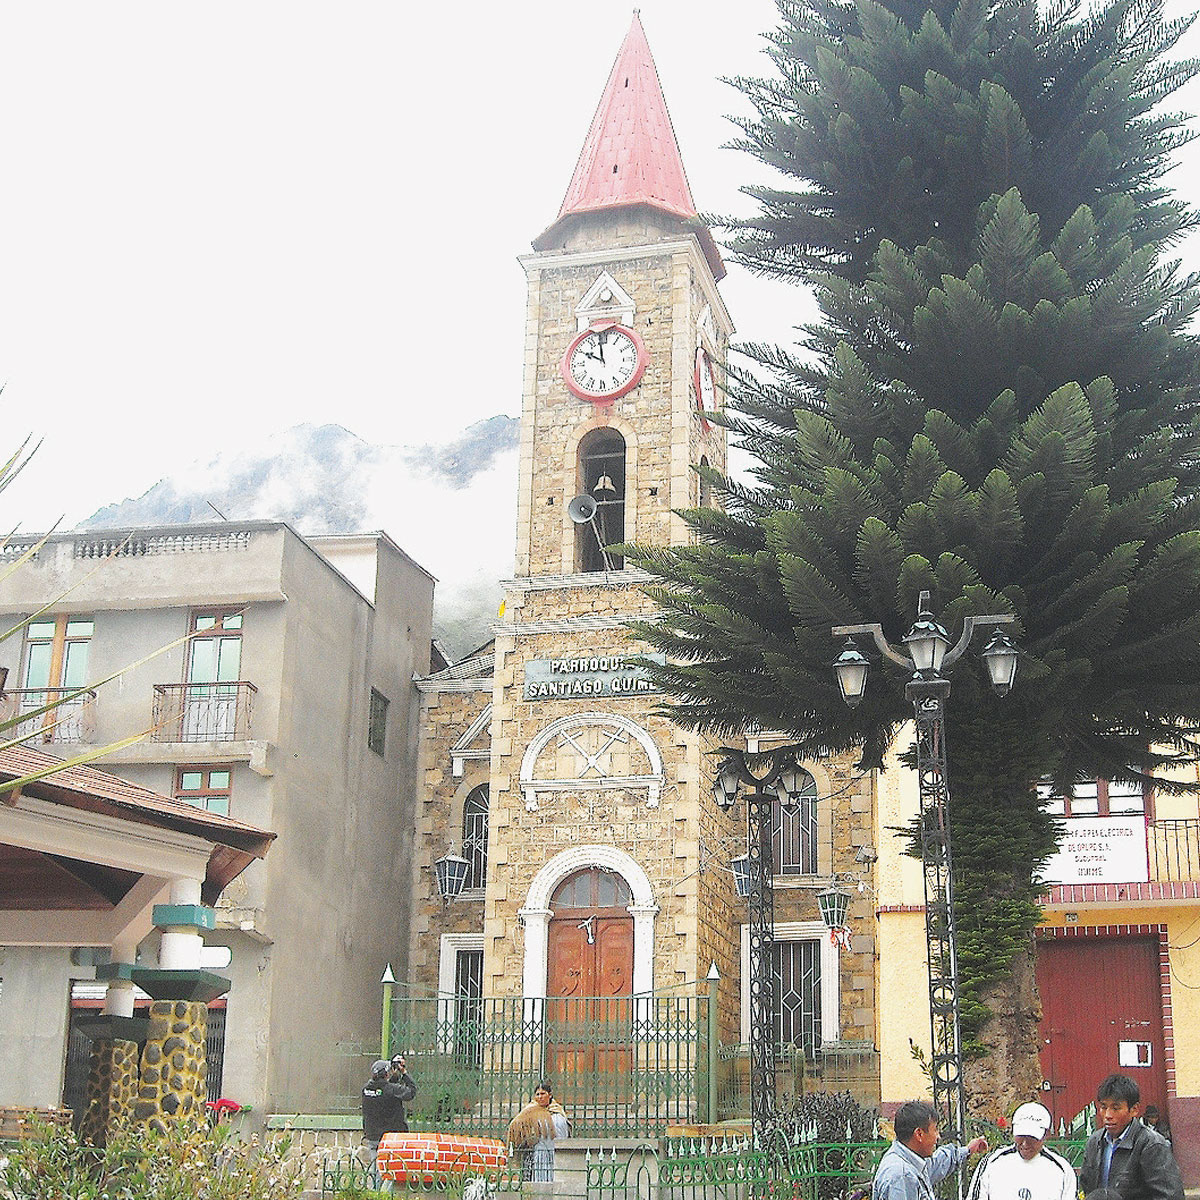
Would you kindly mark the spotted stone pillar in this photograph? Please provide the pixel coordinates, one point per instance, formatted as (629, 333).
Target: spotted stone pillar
(112, 1088)
(174, 1065)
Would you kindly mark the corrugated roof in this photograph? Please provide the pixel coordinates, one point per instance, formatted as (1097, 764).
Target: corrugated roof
(630, 156)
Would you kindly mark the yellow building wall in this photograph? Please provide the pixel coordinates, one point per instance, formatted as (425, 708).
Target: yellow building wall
(903, 1006)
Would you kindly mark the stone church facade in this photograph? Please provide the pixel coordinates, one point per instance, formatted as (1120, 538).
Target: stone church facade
(598, 861)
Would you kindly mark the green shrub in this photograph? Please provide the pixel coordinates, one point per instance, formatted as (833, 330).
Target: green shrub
(140, 1164)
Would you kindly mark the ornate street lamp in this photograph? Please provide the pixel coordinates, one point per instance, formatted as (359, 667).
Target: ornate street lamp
(779, 779)
(929, 653)
(850, 667)
(834, 904)
(451, 871)
(740, 867)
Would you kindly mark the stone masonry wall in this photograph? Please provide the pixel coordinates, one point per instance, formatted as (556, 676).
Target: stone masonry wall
(663, 840)
(112, 1088)
(445, 717)
(659, 420)
(174, 1067)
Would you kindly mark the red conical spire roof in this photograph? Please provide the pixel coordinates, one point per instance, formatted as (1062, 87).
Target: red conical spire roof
(630, 156)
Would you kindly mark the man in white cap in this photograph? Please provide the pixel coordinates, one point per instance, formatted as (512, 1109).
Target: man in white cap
(1026, 1170)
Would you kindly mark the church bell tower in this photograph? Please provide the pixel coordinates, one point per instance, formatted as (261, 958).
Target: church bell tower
(625, 334)
(596, 813)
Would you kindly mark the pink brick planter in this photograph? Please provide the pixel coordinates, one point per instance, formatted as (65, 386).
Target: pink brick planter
(425, 1156)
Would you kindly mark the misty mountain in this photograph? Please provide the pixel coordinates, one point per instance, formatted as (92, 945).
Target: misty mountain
(451, 505)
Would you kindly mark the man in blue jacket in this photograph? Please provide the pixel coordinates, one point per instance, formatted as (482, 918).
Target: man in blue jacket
(914, 1163)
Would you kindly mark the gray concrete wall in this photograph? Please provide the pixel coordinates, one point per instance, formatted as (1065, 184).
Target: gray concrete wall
(338, 894)
(312, 926)
(35, 990)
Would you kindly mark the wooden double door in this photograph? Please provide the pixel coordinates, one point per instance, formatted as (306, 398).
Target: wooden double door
(589, 1012)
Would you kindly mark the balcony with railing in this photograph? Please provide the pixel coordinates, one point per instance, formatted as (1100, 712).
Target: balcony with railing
(1173, 850)
(1122, 859)
(203, 712)
(70, 719)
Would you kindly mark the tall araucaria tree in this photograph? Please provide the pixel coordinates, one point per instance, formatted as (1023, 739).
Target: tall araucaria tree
(998, 404)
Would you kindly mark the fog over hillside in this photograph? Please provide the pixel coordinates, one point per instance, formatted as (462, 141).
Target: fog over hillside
(451, 505)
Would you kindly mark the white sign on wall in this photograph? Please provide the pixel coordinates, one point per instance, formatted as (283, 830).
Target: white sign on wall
(1100, 850)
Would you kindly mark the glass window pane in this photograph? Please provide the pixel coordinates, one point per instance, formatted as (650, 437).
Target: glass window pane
(1125, 798)
(218, 780)
(202, 667)
(75, 664)
(39, 631)
(229, 659)
(219, 805)
(80, 629)
(232, 621)
(1085, 799)
(37, 665)
(206, 622)
(191, 781)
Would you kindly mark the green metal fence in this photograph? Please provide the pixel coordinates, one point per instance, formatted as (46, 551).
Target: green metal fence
(708, 1168)
(620, 1065)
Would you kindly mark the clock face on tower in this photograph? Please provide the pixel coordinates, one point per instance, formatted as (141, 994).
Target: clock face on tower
(604, 362)
(706, 392)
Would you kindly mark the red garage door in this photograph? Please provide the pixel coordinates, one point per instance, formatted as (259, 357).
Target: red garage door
(1101, 1012)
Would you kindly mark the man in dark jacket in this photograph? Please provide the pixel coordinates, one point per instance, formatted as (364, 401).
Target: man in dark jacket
(382, 1107)
(1125, 1154)
(406, 1089)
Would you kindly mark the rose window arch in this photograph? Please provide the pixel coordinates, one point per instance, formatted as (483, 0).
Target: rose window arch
(592, 751)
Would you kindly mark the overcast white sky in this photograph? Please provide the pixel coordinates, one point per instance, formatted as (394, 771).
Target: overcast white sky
(220, 219)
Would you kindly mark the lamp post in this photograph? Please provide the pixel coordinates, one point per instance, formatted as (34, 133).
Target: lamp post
(928, 655)
(753, 873)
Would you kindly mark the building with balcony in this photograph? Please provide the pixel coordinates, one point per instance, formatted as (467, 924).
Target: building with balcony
(256, 675)
(1118, 953)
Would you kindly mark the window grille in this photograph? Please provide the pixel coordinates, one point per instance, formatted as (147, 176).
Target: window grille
(797, 968)
(468, 1007)
(794, 833)
(475, 836)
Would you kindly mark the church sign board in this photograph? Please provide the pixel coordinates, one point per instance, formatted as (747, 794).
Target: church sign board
(1099, 850)
(596, 677)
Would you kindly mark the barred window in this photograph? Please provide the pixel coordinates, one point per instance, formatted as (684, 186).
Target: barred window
(794, 832)
(797, 971)
(475, 836)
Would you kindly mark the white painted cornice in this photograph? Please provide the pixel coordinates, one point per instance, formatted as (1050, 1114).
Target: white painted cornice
(93, 837)
(552, 259)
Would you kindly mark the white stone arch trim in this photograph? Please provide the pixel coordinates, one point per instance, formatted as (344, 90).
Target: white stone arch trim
(600, 420)
(652, 782)
(536, 913)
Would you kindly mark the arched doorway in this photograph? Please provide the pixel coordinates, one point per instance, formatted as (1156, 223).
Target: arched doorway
(590, 974)
(590, 951)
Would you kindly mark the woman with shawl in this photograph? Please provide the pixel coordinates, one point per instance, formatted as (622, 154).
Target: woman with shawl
(533, 1132)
